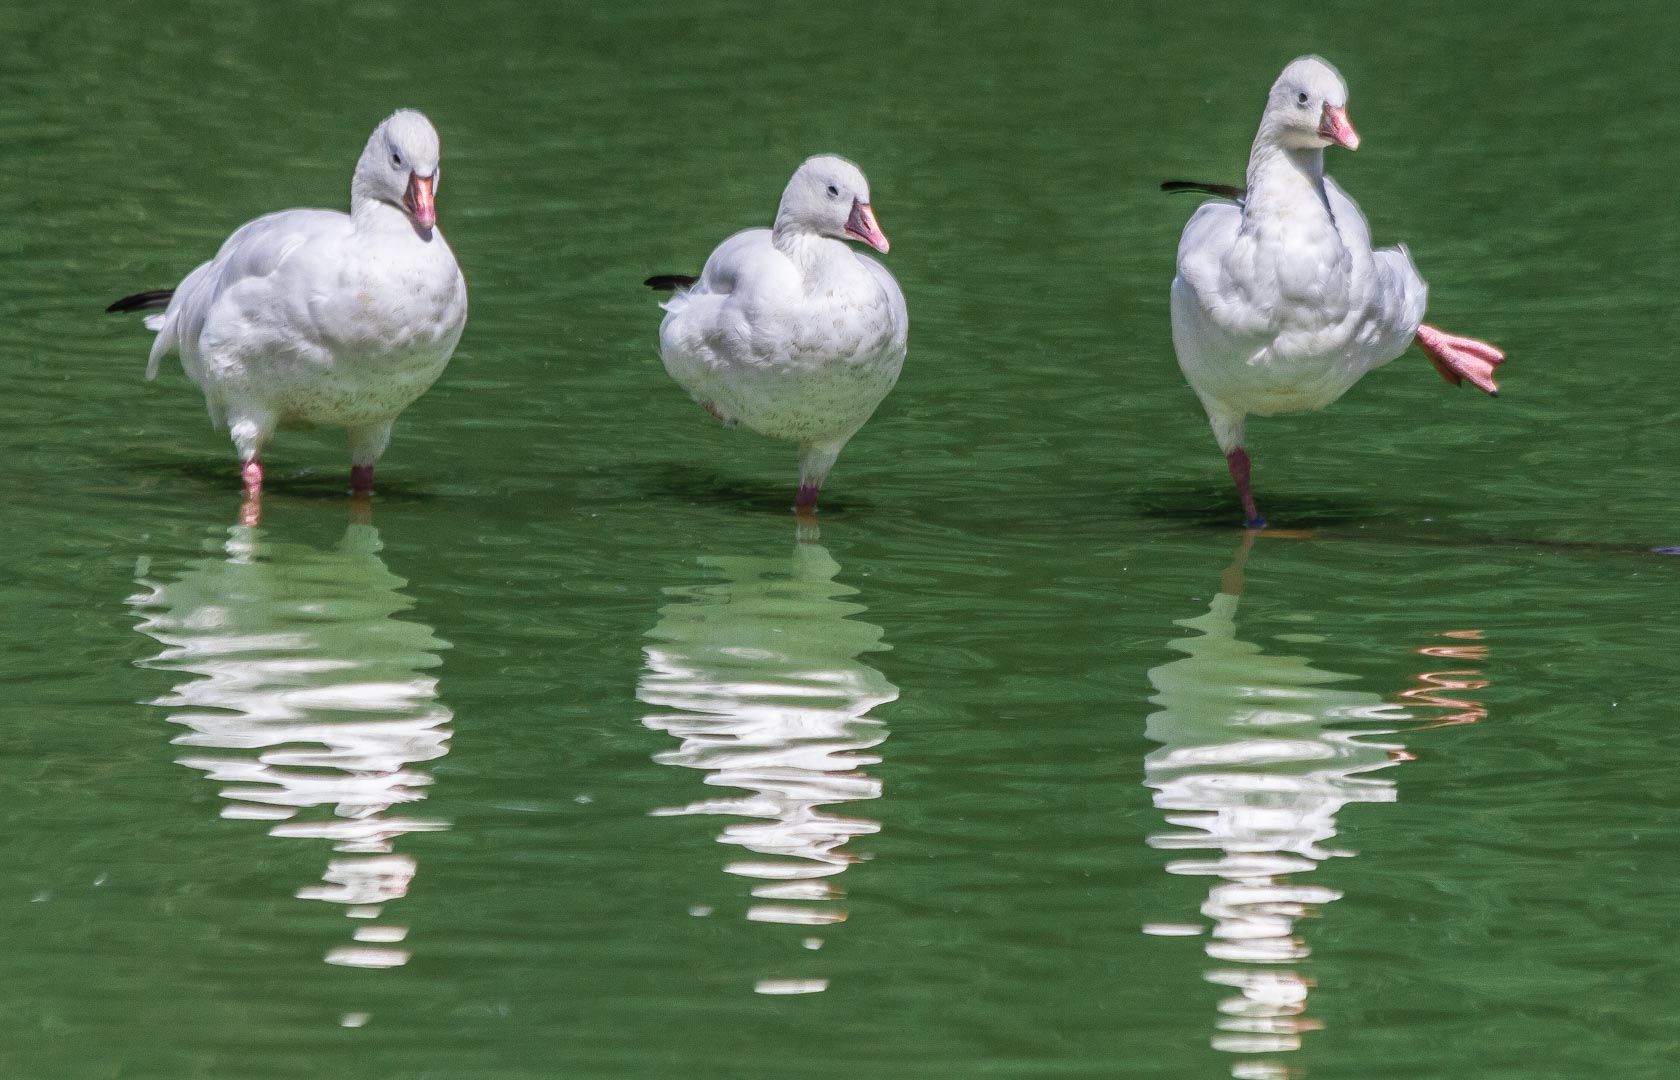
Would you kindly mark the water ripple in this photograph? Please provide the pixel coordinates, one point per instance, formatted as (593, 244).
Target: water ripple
(772, 700)
(308, 706)
(1259, 753)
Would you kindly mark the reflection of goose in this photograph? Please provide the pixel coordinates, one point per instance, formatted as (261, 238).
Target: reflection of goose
(1259, 753)
(309, 686)
(773, 701)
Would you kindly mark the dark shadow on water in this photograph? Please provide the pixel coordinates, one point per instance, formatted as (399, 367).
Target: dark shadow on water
(221, 476)
(1219, 509)
(1213, 508)
(1410, 521)
(671, 481)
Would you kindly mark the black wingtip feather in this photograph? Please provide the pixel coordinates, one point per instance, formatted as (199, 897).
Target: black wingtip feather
(151, 300)
(670, 282)
(1220, 191)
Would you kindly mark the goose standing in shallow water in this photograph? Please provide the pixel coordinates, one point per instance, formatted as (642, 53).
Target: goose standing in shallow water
(788, 330)
(309, 317)
(1280, 304)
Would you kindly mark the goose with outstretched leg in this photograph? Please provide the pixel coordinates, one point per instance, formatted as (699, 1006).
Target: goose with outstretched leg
(1280, 302)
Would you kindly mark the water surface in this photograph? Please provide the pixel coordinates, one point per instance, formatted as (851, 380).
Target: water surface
(572, 755)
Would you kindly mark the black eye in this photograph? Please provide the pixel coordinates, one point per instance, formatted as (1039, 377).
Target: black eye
(832, 190)
(396, 159)
(1301, 97)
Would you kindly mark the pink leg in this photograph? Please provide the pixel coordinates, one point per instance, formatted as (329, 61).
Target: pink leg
(1459, 358)
(250, 509)
(361, 478)
(814, 463)
(1238, 461)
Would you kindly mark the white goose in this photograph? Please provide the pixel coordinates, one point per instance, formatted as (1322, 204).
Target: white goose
(309, 317)
(1280, 304)
(789, 331)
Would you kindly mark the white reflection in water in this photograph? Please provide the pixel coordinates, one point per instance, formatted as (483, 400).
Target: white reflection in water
(307, 703)
(1258, 755)
(771, 700)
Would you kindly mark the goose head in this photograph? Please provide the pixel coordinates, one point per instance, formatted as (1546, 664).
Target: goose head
(1307, 108)
(828, 196)
(400, 167)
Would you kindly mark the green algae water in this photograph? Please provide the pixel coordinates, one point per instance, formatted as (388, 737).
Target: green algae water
(573, 755)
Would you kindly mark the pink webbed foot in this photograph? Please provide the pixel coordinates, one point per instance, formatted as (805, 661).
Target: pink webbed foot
(1459, 358)
(361, 479)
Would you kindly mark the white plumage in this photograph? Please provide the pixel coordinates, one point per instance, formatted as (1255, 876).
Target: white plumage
(1280, 303)
(788, 330)
(309, 317)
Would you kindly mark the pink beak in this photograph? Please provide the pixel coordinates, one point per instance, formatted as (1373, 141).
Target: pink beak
(862, 226)
(1335, 127)
(419, 200)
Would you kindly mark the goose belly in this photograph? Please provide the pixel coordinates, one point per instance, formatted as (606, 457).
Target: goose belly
(811, 403)
(359, 360)
(800, 396)
(1299, 367)
(357, 388)
(811, 382)
(1271, 383)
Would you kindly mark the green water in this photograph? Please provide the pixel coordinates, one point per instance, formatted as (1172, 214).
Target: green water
(575, 759)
